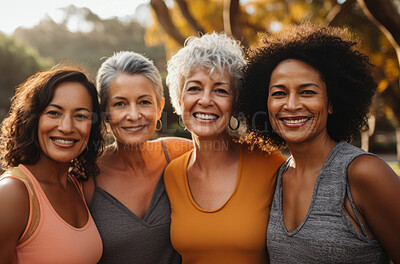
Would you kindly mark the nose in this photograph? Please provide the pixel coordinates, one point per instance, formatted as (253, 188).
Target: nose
(205, 99)
(66, 124)
(293, 103)
(133, 113)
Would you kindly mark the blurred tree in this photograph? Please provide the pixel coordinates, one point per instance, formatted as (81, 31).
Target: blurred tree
(386, 16)
(243, 19)
(17, 62)
(83, 38)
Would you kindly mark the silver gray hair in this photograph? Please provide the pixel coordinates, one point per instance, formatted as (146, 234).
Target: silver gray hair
(212, 52)
(131, 63)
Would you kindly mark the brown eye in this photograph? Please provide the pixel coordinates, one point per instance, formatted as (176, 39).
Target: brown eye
(278, 93)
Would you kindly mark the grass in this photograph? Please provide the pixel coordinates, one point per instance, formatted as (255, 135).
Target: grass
(395, 166)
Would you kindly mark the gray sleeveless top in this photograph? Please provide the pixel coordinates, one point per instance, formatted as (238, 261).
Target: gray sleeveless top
(129, 239)
(326, 234)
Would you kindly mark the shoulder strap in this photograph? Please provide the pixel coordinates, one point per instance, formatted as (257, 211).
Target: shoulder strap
(34, 212)
(77, 184)
(165, 151)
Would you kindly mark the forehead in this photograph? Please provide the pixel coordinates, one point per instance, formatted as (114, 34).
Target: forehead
(73, 95)
(209, 74)
(295, 70)
(131, 85)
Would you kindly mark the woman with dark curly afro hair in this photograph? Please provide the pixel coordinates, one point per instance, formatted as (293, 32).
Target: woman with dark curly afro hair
(50, 140)
(309, 88)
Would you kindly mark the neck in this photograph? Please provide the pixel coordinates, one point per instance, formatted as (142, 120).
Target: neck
(130, 156)
(210, 153)
(49, 171)
(311, 154)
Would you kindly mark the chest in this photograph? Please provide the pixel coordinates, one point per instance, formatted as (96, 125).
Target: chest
(210, 192)
(297, 195)
(75, 211)
(134, 192)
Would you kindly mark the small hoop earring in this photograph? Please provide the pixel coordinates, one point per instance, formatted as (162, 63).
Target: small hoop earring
(237, 123)
(180, 122)
(158, 122)
(108, 128)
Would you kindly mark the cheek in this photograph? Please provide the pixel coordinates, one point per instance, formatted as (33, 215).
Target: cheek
(115, 117)
(85, 130)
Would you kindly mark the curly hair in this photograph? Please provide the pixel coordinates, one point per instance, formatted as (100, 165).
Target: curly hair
(332, 51)
(19, 143)
(212, 52)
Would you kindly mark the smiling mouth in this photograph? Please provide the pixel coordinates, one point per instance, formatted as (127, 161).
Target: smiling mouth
(295, 120)
(63, 141)
(205, 116)
(134, 129)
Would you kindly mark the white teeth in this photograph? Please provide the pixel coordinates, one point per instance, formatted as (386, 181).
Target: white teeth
(205, 116)
(295, 121)
(133, 129)
(63, 141)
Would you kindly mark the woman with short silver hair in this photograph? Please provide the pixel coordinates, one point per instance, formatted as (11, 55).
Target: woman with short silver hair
(220, 192)
(127, 199)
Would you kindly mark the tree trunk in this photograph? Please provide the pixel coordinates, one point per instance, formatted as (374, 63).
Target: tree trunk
(331, 17)
(232, 20)
(188, 16)
(385, 16)
(164, 19)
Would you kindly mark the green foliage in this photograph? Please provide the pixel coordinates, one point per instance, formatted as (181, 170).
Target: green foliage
(98, 39)
(17, 62)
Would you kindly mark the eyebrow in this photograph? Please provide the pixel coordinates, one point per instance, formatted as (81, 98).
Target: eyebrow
(76, 109)
(309, 84)
(199, 82)
(124, 98)
(301, 86)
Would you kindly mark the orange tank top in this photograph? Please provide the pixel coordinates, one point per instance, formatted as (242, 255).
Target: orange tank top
(54, 240)
(234, 233)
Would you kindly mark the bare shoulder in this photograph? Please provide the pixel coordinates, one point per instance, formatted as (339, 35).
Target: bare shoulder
(369, 176)
(14, 208)
(13, 191)
(368, 169)
(375, 188)
(177, 146)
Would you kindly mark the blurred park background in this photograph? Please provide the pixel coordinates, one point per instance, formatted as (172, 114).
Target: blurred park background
(157, 28)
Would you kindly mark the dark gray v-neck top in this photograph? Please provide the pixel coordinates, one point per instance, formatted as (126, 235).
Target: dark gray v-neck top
(326, 234)
(128, 239)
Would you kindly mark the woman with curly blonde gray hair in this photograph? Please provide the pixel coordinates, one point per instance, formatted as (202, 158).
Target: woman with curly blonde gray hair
(221, 186)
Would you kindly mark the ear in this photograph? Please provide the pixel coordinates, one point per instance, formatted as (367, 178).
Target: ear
(330, 108)
(160, 108)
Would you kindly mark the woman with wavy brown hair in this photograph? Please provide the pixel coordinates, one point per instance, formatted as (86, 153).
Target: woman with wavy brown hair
(50, 140)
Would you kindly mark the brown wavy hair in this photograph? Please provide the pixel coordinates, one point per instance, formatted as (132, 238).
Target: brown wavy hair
(19, 142)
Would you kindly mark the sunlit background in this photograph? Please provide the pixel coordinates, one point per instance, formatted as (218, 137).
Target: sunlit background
(35, 35)
(27, 13)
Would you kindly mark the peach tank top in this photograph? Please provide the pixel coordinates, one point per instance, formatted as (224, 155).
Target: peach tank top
(54, 240)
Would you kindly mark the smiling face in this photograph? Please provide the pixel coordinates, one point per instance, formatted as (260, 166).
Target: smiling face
(64, 126)
(132, 109)
(207, 103)
(298, 102)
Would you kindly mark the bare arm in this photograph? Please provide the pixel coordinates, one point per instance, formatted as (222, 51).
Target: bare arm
(376, 191)
(14, 214)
